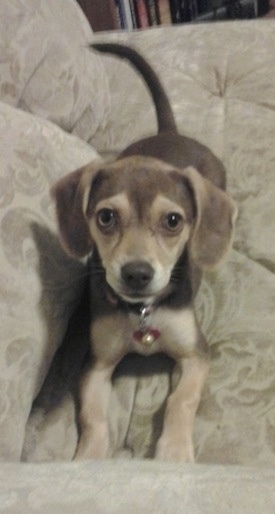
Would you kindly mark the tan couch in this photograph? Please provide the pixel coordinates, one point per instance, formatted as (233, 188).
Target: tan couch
(60, 104)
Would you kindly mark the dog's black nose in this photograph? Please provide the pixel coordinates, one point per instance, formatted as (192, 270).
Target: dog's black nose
(137, 274)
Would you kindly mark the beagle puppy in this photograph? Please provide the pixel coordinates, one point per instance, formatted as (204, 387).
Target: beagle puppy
(151, 222)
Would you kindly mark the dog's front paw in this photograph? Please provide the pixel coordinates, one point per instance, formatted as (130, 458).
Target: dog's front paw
(92, 447)
(170, 449)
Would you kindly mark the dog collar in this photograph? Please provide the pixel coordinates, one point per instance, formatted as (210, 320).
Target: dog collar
(135, 308)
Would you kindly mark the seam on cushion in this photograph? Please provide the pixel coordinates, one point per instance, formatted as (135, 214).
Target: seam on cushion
(250, 102)
(26, 85)
(262, 263)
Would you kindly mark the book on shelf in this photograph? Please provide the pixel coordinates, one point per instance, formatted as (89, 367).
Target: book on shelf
(164, 12)
(125, 14)
(153, 12)
(141, 13)
(132, 14)
(175, 8)
(102, 14)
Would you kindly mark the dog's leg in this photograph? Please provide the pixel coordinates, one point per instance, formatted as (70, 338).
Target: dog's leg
(95, 397)
(176, 442)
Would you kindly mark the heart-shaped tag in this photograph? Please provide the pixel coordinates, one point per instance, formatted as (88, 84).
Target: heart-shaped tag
(146, 336)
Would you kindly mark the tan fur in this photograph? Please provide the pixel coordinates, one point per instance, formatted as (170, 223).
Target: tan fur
(179, 336)
(175, 442)
(155, 218)
(141, 192)
(133, 240)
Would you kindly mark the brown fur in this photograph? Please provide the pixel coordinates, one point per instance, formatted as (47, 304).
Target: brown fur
(154, 220)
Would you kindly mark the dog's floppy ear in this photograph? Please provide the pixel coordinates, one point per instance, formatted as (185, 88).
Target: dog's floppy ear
(215, 217)
(69, 194)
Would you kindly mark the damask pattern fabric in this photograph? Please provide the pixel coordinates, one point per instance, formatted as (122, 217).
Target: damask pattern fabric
(221, 80)
(39, 284)
(46, 67)
(209, 72)
(108, 487)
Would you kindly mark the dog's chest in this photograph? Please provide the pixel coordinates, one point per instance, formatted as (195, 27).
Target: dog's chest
(165, 330)
(173, 332)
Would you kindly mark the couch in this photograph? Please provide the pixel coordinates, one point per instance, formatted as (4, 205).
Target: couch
(61, 106)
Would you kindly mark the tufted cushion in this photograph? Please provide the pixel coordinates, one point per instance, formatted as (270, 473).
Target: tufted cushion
(46, 67)
(39, 284)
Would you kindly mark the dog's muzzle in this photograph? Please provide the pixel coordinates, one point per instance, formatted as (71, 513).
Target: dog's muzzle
(137, 275)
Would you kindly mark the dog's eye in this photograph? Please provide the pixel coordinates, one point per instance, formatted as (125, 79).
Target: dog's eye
(173, 222)
(106, 218)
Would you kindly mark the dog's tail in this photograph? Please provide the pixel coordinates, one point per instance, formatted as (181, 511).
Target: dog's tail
(165, 116)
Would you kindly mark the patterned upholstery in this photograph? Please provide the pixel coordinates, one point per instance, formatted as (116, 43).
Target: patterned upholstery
(55, 96)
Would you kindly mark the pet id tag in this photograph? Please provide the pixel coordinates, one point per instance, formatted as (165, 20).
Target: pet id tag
(146, 335)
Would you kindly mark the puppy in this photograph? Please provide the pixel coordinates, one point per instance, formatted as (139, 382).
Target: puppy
(151, 221)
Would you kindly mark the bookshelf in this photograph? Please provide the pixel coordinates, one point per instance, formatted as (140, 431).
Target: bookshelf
(133, 14)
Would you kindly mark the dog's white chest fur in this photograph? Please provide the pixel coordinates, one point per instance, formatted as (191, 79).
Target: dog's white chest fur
(176, 332)
(113, 335)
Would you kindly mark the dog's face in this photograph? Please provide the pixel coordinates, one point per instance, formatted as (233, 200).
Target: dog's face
(141, 213)
(139, 219)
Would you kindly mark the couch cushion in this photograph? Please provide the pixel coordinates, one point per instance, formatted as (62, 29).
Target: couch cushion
(135, 487)
(207, 76)
(46, 67)
(39, 284)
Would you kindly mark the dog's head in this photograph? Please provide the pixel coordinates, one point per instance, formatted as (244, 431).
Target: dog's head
(141, 214)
